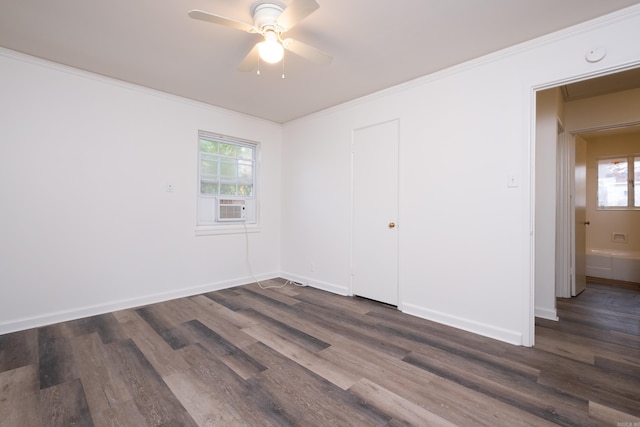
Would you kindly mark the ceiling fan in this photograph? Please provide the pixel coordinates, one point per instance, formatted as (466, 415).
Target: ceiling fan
(271, 21)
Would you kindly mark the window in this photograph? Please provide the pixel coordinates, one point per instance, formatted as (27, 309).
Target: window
(226, 177)
(616, 183)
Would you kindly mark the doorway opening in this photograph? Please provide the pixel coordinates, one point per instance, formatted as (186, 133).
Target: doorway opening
(562, 121)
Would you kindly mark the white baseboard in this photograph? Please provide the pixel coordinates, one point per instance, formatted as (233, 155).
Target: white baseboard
(490, 331)
(501, 334)
(509, 336)
(546, 313)
(329, 287)
(93, 310)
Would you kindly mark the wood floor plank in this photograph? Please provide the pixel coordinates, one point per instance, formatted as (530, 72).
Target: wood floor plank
(614, 389)
(224, 328)
(180, 310)
(293, 318)
(18, 349)
(350, 325)
(350, 305)
(55, 355)
(155, 348)
(303, 356)
(630, 371)
(104, 387)
(308, 398)
(419, 341)
(228, 299)
(161, 320)
(547, 340)
(295, 335)
(205, 406)
(220, 311)
(271, 294)
(449, 400)
(603, 337)
(155, 401)
(20, 397)
(65, 405)
(231, 355)
(122, 414)
(290, 290)
(607, 415)
(105, 325)
(541, 401)
(395, 405)
(232, 396)
(573, 346)
(456, 337)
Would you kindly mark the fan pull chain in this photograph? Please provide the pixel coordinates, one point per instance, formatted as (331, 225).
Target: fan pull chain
(283, 66)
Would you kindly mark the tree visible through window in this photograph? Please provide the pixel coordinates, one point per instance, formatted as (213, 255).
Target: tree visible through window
(226, 168)
(616, 183)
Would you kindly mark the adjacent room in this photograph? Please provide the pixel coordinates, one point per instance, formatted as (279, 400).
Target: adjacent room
(319, 213)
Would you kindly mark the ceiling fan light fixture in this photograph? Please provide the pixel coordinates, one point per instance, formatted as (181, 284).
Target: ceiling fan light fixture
(270, 49)
(271, 21)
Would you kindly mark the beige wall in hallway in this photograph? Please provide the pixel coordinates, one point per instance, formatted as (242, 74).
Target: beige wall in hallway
(605, 222)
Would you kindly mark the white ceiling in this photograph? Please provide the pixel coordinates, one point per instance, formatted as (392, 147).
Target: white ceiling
(375, 44)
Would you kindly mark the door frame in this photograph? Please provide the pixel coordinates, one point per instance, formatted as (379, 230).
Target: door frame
(533, 89)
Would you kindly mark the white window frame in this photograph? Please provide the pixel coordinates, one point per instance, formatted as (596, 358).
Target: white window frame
(630, 158)
(206, 221)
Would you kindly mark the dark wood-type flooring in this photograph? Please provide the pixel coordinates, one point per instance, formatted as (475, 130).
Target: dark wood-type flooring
(301, 356)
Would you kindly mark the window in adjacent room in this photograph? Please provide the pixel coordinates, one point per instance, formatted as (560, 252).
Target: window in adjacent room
(226, 180)
(617, 178)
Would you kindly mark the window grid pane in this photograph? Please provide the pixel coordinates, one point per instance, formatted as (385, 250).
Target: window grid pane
(208, 187)
(226, 168)
(613, 183)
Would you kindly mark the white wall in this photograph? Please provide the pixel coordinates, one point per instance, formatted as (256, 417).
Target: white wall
(86, 225)
(466, 254)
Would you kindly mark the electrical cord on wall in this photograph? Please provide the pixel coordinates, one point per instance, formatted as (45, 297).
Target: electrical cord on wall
(260, 285)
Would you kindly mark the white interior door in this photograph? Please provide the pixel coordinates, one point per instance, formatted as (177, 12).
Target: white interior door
(375, 212)
(579, 282)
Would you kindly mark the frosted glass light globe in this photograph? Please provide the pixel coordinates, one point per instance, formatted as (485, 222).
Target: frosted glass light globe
(270, 50)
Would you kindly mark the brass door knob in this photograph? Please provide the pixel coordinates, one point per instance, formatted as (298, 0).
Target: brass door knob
(392, 224)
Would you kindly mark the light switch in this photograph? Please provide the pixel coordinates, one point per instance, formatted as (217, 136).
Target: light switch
(513, 181)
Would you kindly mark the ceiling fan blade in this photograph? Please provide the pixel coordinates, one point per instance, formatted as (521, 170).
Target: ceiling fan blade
(250, 61)
(221, 20)
(296, 12)
(307, 52)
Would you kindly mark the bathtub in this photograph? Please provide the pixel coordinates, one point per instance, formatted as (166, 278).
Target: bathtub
(613, 264)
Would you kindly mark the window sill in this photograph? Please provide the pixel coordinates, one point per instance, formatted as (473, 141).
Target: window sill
(209, 230)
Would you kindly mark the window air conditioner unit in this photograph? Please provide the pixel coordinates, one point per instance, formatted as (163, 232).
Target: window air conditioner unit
(230, 210)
